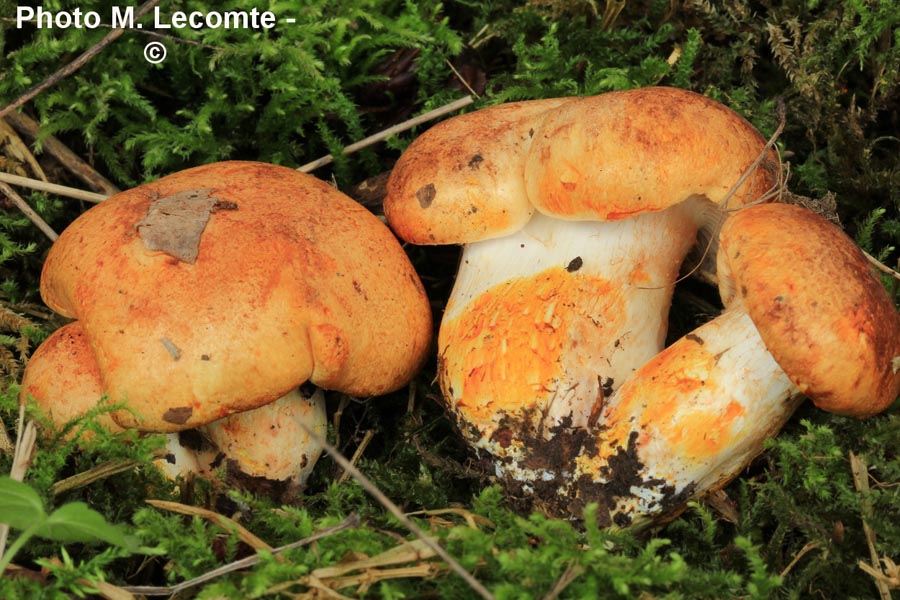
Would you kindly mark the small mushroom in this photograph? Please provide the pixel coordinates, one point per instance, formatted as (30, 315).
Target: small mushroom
(805, 314)
(63, 379)
(576, 215)
(220, 289)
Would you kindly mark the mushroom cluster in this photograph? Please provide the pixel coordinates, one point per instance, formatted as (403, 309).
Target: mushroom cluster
(207, 298)
(575, 215)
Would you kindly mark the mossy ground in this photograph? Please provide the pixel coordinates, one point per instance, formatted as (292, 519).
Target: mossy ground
(791, 526)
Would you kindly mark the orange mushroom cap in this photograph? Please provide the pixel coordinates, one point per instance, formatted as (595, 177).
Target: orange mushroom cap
(63, 378)
(822, 311)
(220, 288)
(481, 175)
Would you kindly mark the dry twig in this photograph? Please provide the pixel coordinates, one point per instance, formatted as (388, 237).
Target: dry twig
(350, 521)
(77, 63)
(28, 211)
(861, 481)
(392, 508)
(53, 147)
(386, 133)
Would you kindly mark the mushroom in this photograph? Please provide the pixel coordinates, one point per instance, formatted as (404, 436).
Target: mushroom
(63, 378)
(576, 215)
(220, 289)
(805, 315)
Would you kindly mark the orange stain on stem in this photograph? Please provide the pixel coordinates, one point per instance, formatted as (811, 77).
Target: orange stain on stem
(672, 399)
(507, 351)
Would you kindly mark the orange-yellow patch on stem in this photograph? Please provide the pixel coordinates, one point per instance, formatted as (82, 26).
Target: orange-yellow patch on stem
(506, 352)
(674, 402)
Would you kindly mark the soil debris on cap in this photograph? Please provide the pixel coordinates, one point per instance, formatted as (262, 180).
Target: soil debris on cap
(425, 195)
(178, 415)
(173, 224)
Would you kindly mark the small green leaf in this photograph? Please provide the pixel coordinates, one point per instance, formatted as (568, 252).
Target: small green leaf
(20, 506)
(75, 522)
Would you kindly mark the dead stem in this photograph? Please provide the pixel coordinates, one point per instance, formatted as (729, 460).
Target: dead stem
(350, 521)
(386, 133)
(28, 211)
(101, 471)
(861, 481)
(392, 508)
(77, 63)
(53, 147)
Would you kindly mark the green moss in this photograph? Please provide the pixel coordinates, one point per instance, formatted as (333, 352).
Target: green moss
(293, 94)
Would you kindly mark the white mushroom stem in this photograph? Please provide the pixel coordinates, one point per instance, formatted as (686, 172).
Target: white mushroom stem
(270, 441)
(687, 421)
(183, 461)
(543, 322)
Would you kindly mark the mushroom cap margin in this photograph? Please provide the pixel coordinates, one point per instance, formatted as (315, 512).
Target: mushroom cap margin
(293, 281)
(822, 311)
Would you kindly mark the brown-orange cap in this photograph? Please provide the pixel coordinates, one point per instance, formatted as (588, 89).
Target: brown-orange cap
(618, 154)
(607, 157)
(220, 288)
(822, 311)
(462, 180)
(63, 378)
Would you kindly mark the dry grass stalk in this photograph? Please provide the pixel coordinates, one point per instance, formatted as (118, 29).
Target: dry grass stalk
(357, 454)
(861, 481)
(244, 534)
(77, 63)
(392, 508)
(17, 155)
(101, 471)
(803, 551)
(371, 570)
(889, 576)
(6, 445)
(53, 147)
(386, 133)
(26, 436)
(28, 211)
(350, 521)
(52, 188)
(471, 519)
(105, 590)
(572, 572)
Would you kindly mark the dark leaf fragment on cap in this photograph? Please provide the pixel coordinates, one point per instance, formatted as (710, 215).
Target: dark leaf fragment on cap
(173, 224)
